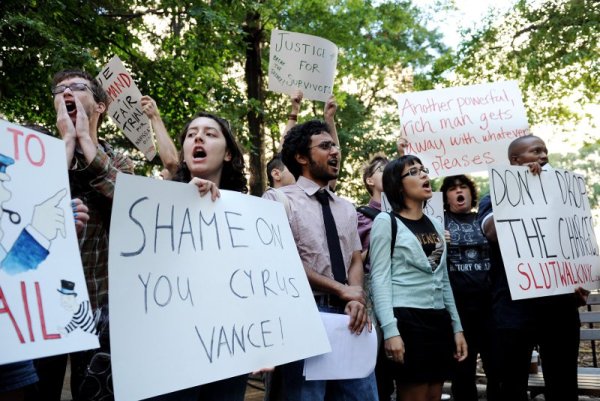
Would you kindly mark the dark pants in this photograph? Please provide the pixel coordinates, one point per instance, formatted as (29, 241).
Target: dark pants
(51, 371)
(477, 330)
(232, 389)
(556, 332)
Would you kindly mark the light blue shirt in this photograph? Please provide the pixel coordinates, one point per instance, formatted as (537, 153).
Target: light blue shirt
(407, 279)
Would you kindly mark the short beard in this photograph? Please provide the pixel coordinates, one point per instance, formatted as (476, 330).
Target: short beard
(318, 172)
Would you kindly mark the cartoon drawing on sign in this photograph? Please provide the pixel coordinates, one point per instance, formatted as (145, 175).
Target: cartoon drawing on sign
(82, 311)
(33, 243)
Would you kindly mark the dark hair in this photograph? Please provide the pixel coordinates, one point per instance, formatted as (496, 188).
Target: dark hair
(297, 142)
(517, 143)
(368, 171)
(99, 94)
(232, 176)
(450, 182)
(392, 180)
(274, 163)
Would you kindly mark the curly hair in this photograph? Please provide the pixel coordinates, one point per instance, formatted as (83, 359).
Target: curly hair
(462, 179)
(232, 176)
(297, 142)
(392, 181)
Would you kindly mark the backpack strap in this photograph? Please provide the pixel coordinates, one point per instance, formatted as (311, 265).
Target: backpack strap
(368, 211)
(394, 233)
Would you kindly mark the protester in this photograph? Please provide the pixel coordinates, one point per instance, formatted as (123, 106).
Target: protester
(80, 104)
(411, 292)
(166, 148)
(210, 159)
(520, 325)
(324, 228)
(468, 269)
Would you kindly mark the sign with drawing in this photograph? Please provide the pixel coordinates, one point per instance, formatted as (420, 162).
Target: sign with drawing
(216, 289)
(545, 231)
(462, 129)
(125, 108)
(44, 306)
(300, 61)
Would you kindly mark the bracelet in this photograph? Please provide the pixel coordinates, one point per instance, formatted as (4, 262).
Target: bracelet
(293, 117)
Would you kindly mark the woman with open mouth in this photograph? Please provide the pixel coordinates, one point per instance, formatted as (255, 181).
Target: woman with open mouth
(468, 268)
(210, 159)
(411, 291)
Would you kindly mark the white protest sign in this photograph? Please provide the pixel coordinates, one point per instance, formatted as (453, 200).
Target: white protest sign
(125, 107)
(545, 231)
(462, 129)
(202, 290)
(300, 61)
(42, 285)
(434, 207)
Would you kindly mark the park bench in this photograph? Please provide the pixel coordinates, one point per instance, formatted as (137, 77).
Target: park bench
(588, 378)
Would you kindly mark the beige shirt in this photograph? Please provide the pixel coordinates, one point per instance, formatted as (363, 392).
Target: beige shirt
(306, 220)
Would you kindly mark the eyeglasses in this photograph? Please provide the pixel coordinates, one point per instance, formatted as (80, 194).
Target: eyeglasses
(326, 145)
(75, 87)
(379, 169)
(413, 171)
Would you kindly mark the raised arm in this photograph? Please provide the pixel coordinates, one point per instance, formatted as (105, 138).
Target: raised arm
(295, 101)
(166, 148)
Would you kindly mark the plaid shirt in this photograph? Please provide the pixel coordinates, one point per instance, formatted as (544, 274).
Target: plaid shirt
(94, 184)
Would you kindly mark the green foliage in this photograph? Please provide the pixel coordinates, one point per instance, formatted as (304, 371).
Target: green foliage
(190, 55)
(550, 47)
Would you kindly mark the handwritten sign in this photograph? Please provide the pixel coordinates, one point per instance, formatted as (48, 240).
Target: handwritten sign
(125, 107)
(462, 129)
(545, 231)
(434, 207)
(42, 286)
(299, 61)
(202, 290)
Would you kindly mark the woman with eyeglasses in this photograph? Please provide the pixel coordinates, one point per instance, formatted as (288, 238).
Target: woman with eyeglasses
(411, 292)
(210, 159)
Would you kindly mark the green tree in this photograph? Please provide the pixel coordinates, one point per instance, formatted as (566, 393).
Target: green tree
(550, 47)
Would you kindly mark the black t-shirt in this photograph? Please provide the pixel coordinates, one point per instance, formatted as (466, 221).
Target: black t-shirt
(468, 257)
(428, 237)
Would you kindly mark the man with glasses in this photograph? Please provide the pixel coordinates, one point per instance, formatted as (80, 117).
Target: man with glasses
(324, 228)
(81, 104)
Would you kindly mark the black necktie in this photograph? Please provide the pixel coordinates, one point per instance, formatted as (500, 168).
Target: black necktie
(333, 240)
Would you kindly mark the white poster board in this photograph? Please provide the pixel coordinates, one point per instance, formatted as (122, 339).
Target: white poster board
(545, 231)
(462, 129)
(41, 276)
(300, 61)
(125, 106)
(434, 208)
(202, 290)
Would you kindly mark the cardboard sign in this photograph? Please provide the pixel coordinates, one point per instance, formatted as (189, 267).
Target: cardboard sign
(434, 208)
(125, 106)
(44, 305)
(202, 290)
(545, 231)
(462, 129)
(305, 62)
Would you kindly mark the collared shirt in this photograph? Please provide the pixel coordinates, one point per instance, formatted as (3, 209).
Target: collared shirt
(306, 220)
(94, 184)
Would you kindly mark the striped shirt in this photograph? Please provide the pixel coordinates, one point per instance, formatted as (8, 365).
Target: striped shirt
(83, 319)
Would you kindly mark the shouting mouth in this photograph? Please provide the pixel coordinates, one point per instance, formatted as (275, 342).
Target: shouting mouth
(199, 154)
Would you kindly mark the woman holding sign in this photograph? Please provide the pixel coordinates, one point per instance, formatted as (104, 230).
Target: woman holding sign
(210, 159)
(409, 282)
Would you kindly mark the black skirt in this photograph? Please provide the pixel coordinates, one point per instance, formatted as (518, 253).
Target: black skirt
(428, 343)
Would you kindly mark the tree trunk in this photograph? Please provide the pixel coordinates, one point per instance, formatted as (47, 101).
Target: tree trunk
(254, 82)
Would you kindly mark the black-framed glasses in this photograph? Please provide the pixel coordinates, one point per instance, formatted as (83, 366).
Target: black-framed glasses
(379, 169)
(326, 145)
(414, 171)
(75, 87)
